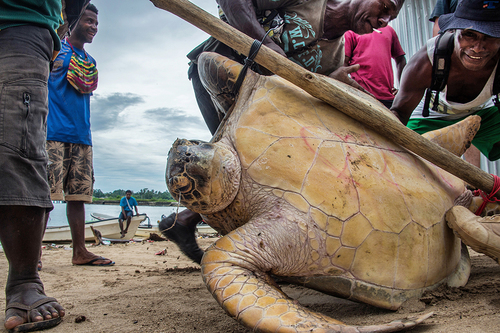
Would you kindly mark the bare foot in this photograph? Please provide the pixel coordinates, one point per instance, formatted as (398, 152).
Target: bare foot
(30, 299)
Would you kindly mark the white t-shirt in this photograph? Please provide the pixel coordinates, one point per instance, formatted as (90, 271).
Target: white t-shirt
(452, 110)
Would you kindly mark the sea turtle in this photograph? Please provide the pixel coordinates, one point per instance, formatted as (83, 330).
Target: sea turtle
(307, 194)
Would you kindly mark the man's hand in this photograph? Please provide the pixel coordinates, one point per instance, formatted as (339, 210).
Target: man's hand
(342, 75)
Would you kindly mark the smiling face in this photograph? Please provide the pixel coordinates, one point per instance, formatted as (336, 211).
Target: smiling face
(476, 50)
(374, 14)
(86, 28)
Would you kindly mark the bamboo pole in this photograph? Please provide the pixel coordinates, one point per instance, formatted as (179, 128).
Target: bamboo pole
(341, 96)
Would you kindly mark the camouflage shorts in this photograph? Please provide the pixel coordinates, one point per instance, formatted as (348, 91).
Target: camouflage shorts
(70, 171)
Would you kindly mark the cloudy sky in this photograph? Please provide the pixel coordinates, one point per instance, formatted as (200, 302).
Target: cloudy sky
(144, 100)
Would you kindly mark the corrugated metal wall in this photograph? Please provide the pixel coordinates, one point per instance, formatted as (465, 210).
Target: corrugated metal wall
(414, 28)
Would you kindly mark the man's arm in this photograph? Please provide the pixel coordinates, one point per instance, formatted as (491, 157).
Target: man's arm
(415, 79)
(400, 65)
(241, 15)
(135, 206)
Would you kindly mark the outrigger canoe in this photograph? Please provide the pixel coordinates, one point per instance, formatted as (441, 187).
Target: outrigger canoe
(109, 228)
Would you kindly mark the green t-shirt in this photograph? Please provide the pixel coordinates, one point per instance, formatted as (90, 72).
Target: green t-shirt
(45, 13)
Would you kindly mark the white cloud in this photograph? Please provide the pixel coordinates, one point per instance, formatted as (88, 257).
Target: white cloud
(144, 100)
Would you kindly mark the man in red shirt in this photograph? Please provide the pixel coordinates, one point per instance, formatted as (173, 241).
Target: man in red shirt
(373, 52)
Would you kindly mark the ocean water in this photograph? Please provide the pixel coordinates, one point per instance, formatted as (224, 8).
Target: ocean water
(58, 214)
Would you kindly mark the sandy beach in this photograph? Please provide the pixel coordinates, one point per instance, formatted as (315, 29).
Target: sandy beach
(145, 292)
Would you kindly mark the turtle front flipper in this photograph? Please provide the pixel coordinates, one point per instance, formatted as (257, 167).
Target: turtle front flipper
(248, 294)
(457, 137)
(218, 75)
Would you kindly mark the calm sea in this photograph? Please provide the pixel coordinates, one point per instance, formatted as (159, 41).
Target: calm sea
(58, 215)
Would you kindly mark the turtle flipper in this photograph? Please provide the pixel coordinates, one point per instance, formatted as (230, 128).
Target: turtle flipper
(482, 234)
(249, 295)
(218, 75)
(456, 138)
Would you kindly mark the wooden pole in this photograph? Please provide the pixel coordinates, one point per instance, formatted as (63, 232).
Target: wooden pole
(341, 96)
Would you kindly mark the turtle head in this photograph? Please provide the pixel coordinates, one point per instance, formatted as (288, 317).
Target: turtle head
(204, 175)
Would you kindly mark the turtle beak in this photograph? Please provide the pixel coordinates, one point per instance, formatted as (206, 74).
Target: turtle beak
(179, 184)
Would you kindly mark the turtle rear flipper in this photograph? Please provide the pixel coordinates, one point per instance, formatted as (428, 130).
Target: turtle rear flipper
(482, 234)
(456, 138)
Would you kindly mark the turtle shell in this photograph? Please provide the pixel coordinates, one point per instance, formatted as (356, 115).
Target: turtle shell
(369, 211)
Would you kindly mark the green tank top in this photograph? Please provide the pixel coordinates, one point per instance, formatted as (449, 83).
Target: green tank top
(45, 13)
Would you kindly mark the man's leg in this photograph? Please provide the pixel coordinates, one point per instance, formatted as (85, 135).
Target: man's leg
(204, 101)
(120, 223)
(129, 220)
(21, 233)
(181, 230)
(24, 63)
(75, 211)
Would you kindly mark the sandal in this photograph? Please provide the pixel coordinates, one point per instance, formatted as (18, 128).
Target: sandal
(35, 325)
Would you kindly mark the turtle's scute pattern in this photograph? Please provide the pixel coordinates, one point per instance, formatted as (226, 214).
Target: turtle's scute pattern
(319, 200)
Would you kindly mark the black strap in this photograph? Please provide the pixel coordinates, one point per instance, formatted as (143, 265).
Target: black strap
(440, 69)
(248, 62)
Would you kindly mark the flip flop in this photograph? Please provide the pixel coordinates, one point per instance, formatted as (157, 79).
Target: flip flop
(36, 325)
(91, 262)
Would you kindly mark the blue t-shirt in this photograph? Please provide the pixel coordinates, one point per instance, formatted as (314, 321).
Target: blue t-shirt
(443, 7)
(69, 110)
(132, 202)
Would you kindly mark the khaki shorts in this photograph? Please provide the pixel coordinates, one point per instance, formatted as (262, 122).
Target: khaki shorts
(25, 52)
(70, 171)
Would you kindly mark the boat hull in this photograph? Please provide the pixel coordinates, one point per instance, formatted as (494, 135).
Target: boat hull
(145, 232)
(109, 228)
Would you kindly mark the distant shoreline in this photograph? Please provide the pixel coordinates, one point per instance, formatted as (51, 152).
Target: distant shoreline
(139, 202)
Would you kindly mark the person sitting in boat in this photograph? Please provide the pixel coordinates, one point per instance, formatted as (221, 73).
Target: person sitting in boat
(126, 203)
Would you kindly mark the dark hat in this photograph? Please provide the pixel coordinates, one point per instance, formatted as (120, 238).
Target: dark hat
(479, 15)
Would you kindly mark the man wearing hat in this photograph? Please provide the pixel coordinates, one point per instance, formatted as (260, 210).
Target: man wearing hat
(469, 90)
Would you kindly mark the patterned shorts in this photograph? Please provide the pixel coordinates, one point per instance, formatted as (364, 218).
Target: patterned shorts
(70, 171)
